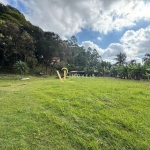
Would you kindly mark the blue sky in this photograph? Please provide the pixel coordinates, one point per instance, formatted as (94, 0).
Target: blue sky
(111, 37)
(110, 26)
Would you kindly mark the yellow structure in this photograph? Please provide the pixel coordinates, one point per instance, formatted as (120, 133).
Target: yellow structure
(59, 75)
(65, 73)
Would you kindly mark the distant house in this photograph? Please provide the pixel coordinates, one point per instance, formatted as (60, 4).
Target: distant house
(55, 60)
(76, 73)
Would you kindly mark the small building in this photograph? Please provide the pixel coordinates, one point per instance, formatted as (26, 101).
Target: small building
(75, 73)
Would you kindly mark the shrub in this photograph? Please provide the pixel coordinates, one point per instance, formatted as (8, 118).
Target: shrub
(21, 68)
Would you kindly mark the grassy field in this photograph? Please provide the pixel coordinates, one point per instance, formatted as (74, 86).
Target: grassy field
(78, 114)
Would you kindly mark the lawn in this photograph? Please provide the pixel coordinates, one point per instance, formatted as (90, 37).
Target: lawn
(77, 114)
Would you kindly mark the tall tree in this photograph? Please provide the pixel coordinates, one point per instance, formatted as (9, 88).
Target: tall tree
(74, 47)
(146, 59)
(27, 49)
(121, 59)
(10, 39)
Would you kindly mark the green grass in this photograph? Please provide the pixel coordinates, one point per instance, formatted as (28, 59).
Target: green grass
(78, 114)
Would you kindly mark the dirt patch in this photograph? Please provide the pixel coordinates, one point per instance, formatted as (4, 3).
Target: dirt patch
(5, 85)
(21, 84)
(106, 101)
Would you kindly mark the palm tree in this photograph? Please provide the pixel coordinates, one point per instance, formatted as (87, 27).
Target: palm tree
(138, 71)
(146, 59)
(123, 71)
(121, 59)
(114, 71)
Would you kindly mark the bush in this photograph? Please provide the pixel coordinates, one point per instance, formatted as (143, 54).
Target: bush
(20, 67)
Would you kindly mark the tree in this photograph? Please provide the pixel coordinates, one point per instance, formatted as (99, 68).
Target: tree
(123, 71)
(8, 41)
(16, 44)
(138, 71)
(74, 40)
(114, 71)
(95, 57)
(81, 59)
(146, 59)
(74, 48)
(27, 49)
(121, 59)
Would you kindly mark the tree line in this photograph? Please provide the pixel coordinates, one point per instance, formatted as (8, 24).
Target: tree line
(131, 69)
(22, 41)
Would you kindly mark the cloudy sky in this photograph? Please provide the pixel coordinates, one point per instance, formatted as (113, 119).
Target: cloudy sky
(110, 26)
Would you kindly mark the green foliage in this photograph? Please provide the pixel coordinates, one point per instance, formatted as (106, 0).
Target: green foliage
(3, 8)
(114, 71)
(137, 71)
(12, 9)
(121, 59)
(12, 14)
(20, 67)
(16, 15)
(89, 70)
(9, 17)
(103, 68)
(130, 70)
(146, 75)
(146, 59)
(123, 71)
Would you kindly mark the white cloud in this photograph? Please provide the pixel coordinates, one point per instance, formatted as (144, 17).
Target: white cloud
(112, 61)
(137, 59)
(113, 49)
(133, 43)
(99, 38)
(90, 44)
(61, 16)
(68, 17)
(119, 14)
(5, 2)
(137, 42)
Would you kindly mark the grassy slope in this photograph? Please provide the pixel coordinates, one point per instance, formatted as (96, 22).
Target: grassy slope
(80, 113)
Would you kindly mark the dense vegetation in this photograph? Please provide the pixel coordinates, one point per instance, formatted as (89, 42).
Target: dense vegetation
(22, 41)
(131, 70)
